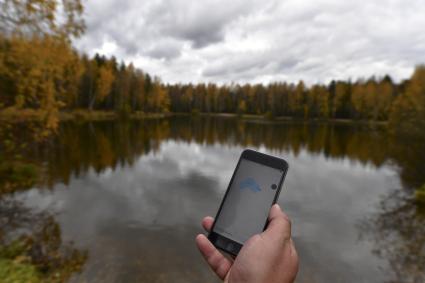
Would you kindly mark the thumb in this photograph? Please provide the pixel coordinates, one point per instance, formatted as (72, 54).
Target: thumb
(279, 226)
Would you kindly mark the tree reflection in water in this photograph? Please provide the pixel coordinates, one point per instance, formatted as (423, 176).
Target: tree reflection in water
(31, 246)
(397, 230)
(398, 235)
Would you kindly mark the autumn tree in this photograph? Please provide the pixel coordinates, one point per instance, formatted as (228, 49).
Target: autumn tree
(408, 110)
(296, 100)
(39, 74)
(122, 89)
(358, 100)
(210, 95)
(104, 81)
(137, 90)
(340, 93)
(318, 102)
(38, 67)
(39, 18)
(322, 98)
(161, 102)
(383, 100)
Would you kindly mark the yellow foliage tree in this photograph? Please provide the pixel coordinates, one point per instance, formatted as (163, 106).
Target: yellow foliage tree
(160, 101)
(104, 81)
(42, 17)
(358, 99)
(41, 72)
(408, 110)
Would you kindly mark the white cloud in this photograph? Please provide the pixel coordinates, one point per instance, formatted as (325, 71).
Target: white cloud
(253, 41)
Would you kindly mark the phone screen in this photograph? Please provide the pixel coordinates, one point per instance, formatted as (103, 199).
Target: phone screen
(247, 204)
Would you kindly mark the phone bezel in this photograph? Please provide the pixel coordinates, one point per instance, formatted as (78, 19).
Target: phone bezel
(228, 245)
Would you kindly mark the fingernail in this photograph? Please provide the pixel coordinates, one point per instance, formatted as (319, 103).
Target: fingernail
(278, 206)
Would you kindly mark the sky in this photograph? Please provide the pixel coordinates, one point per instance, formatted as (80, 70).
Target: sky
(250, 41)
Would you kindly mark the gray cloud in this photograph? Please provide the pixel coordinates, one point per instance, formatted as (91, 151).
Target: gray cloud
(199, 22)
(249, 65)
(250, 41)
(163, 52)
(163, 49)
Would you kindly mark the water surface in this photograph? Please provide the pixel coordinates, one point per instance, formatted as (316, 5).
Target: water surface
(131, 195)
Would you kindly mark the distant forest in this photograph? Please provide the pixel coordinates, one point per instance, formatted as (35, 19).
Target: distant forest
(40, 70)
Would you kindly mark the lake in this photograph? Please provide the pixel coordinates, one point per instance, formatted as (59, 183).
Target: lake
(127, 198)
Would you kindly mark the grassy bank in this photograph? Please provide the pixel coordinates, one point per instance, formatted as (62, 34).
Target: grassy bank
(23, 115)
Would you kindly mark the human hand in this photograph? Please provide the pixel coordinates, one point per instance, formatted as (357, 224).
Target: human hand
(266, 257)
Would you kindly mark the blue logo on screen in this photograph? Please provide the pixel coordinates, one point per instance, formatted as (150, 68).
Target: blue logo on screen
(249, 183)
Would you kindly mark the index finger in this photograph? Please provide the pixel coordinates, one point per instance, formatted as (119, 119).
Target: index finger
(207, 223)
(218, 262)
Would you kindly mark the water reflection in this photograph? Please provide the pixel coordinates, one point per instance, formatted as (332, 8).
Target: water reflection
(32, 248)
(111, 144)
(132, 194)
(398, 234)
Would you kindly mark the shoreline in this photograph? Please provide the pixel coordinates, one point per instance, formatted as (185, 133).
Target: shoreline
(281, 119)
(26, 115)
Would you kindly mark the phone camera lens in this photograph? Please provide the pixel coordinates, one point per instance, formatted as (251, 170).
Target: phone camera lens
(274, 187)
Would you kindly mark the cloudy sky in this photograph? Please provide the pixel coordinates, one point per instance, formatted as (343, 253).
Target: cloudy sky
(259, 41)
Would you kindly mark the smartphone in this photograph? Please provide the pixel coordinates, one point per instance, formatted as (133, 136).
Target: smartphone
(253, 189)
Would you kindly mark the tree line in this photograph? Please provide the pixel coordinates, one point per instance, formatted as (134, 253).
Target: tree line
(40, 70)
(47, 74)
(44, 73)
(370, 99)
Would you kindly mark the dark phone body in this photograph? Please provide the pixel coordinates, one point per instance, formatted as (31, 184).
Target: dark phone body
(224, 243)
